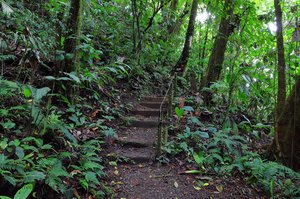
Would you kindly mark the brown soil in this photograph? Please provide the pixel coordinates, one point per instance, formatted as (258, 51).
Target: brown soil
(147, 181)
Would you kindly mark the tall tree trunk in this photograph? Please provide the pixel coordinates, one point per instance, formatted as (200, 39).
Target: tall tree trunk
(288, 129)
(73, 37)
(281, 92)
(72, 62)
(281, 95)
(181, 64)
(137, 30)
(133, 26)
(202, 50)
(216, 58)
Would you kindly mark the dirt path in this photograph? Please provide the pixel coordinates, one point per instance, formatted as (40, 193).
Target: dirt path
(139, 176)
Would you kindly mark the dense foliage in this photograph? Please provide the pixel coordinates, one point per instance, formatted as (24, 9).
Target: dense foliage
(54, 122)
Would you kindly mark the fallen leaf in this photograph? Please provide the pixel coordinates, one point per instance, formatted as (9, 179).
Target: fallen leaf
(176, 184)
(94, 114)
(95, 128)
(75, 172)
(116, 172)
(204, 178)
(193, 172)
(116, 183)
(134, 182)
(113, 163)
(197, 188)
(206, 184)
(111, 155)
(76, 193)
(219, 188)
(181, 100)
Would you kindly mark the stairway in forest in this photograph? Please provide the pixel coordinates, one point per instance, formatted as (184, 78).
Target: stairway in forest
(147, 180)
(137, 142)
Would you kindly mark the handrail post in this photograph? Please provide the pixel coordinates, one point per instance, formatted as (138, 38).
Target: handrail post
(159, 138)
(162, 136)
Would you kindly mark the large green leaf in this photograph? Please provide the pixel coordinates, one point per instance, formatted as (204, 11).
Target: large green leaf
(20, 152)
(199, 158)
(4, 197)
(202, 134)
(32, 176)
(41, 92)
(68, 135)
(24, 192)
(179, 112)
(27, 92)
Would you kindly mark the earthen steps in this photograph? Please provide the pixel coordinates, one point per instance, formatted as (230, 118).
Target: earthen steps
(147, 112)
(137, 143)
(144, 123)
(137, 155)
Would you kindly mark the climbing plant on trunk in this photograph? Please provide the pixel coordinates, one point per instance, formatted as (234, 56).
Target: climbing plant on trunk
(226, 28)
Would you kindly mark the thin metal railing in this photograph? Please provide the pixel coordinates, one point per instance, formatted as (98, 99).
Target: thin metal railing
(168, 99)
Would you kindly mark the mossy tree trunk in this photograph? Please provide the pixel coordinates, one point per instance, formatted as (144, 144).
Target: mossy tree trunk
(72, 42)
(73, 36)
(182, 62)
(226, 28)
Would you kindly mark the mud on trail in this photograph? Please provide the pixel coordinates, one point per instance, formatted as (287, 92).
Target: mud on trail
(140, 176)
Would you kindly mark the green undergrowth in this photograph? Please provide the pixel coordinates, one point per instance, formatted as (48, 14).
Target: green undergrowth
(216, 147)
(48, 145)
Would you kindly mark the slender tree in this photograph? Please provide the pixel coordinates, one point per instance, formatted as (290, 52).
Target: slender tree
(226, 28)
(281, 93)
(181, 64)
(281, 60)
(73, 37)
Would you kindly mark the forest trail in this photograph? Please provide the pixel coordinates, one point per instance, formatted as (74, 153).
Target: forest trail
(140, 176)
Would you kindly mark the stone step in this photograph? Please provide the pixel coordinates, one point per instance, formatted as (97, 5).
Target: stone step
(137, 137)
(134, 142)
(147, 112)
(155, 105)
(147, 123)
(144, 123)
(137, 155)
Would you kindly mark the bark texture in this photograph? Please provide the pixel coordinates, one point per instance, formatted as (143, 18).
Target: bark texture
(73, 37)
(288, 129)
(281, 60)
(181, 64)
(216, 59)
